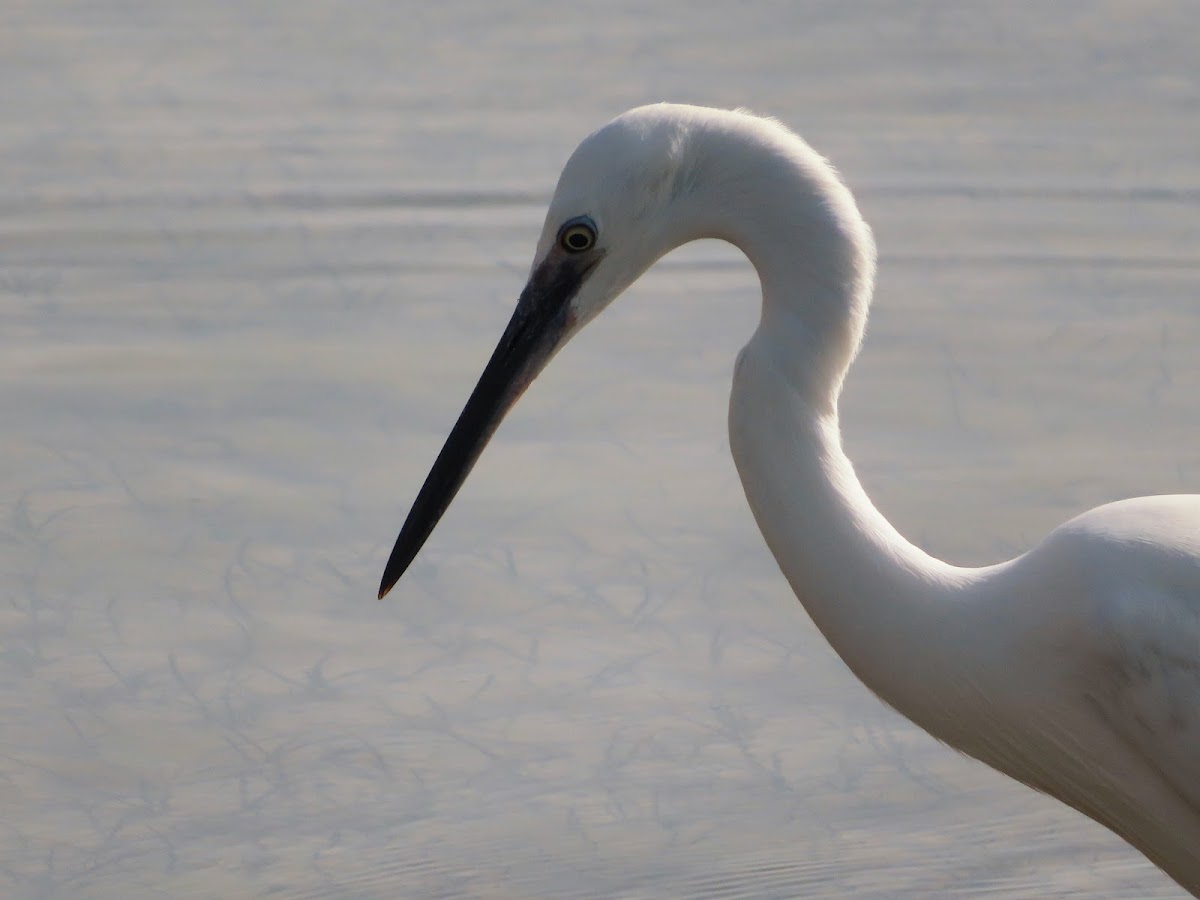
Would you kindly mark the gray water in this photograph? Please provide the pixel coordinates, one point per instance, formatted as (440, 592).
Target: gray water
(252, 259)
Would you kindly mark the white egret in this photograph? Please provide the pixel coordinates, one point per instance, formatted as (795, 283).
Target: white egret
(1074, 668)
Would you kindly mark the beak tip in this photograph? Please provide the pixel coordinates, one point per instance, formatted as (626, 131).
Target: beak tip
(396, 566)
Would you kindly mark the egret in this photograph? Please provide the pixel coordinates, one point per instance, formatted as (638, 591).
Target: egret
(1074, 668)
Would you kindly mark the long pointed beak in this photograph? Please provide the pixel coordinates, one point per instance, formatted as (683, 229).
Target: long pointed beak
(533, 334)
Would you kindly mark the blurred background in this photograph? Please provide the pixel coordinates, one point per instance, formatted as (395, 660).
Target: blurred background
(253, 258)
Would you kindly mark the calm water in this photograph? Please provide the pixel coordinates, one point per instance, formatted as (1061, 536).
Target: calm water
(252, 258)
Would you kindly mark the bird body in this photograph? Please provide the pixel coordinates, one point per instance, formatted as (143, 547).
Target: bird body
(1074, 668)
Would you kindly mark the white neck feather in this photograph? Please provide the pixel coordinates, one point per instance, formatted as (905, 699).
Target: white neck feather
(882, 603)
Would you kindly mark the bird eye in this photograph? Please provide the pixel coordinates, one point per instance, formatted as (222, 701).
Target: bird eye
(577, 235)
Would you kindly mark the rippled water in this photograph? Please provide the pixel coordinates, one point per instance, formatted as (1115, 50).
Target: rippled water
(252, 258)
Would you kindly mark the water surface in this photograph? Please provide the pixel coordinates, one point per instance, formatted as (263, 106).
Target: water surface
(252, 258)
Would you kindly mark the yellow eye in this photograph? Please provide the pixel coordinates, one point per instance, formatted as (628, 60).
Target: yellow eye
(577, 235)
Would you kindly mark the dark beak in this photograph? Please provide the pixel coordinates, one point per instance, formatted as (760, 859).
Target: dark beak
(538, 324)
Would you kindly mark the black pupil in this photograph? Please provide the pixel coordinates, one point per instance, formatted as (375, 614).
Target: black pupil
(578, 240)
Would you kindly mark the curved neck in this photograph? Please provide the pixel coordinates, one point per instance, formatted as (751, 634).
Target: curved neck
(785, 207)
(890, 610)
(882, 603)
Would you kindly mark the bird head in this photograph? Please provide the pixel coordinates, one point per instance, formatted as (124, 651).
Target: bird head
(617, 208)
(610, 219)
